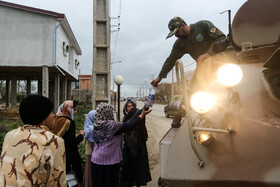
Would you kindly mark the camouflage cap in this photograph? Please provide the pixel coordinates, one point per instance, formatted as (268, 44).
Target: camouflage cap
(173, 25)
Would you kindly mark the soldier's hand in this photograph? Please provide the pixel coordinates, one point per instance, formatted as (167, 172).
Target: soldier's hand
(156, 81)
(202, 57)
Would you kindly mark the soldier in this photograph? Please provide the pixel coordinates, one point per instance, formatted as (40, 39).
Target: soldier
(32, 155)
(199, 40)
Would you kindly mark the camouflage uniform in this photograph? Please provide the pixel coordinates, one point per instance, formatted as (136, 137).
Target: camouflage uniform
(24, 146)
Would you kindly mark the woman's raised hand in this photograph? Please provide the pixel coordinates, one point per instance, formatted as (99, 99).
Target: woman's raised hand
(144, 112)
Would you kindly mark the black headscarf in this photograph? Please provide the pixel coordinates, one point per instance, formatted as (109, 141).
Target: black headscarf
(125, 112)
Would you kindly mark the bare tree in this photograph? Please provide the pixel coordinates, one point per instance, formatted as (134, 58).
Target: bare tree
(34, 87)
(163, 92)
(2, 89)
(21, 86)
(189, 74)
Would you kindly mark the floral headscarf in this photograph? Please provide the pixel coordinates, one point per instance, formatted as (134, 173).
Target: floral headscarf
(104, 124)
(66, 109)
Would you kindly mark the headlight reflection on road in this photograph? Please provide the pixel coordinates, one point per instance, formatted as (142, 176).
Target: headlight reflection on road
(230, 75)
(202, 102)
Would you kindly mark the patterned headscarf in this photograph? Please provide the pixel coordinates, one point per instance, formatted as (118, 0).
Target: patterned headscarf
(104, 124)
(66, 109)
(104, 112)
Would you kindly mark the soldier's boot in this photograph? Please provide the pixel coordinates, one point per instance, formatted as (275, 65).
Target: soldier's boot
(176, 121)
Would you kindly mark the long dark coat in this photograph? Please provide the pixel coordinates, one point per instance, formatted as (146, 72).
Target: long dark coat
(135, 167)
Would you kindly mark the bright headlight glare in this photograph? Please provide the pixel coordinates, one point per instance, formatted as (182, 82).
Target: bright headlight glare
(230, 74)
(204, 138)
(202, 102)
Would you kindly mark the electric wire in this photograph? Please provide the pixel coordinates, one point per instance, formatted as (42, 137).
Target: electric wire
(117, 33)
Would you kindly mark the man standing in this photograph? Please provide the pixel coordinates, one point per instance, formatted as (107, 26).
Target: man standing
(32, 155)
(199, 40)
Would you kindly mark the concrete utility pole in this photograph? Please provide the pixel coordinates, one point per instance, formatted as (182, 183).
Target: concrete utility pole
(101, 81)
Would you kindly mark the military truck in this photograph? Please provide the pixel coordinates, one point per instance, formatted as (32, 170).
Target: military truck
(230, 135)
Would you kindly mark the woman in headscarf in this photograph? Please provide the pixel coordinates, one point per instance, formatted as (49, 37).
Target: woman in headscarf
(135, 166)
(66, 128)
(107, 153)
(88, 128)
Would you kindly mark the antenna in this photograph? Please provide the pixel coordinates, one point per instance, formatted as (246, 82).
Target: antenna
(229, 27)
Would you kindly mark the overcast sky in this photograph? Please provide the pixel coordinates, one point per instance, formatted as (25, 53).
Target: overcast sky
(140, 43)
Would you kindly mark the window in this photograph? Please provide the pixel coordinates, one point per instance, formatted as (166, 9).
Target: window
(66, 48)
(77, 63)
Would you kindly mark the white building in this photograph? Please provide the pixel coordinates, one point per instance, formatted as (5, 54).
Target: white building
(37, 45)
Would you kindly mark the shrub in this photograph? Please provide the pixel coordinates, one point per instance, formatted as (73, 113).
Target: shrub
(80, 118)
(79, 122)
(82, 150)
(20, 97)
(3, 131)
(6, 126)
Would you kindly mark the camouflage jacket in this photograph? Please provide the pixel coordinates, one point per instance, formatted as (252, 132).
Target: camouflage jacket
(32, 156)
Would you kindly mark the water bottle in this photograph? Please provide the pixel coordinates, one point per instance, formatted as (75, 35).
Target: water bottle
(150, 101)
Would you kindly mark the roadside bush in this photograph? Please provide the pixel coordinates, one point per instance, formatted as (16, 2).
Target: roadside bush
(6, 126)
(79, 121)
(3, 131)
(80, 118)
(20, 97)
(82, 149)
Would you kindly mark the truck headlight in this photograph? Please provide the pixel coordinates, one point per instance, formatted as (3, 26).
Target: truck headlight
(230, 75)
(204, 138)
(202, 102)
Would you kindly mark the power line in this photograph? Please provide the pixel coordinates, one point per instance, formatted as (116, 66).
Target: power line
(117, 34)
